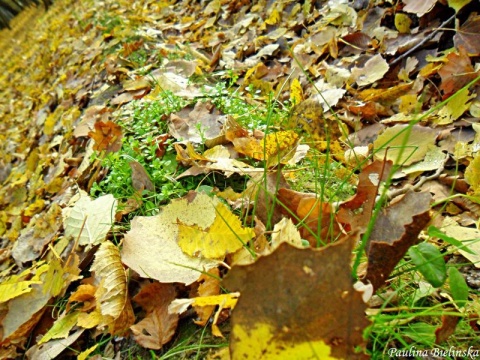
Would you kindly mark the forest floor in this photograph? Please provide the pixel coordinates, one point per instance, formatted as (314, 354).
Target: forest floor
(240, 179)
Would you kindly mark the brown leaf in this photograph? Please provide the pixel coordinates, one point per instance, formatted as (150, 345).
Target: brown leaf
(396, 229)
(319, 223)
(367, 189)
(140, 179)
(158, 326)
(467, 35)
(306, 306)
(107, 136)
(449, 323)
(456, 73)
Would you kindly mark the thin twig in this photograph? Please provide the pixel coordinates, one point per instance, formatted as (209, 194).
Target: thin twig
(423, 42)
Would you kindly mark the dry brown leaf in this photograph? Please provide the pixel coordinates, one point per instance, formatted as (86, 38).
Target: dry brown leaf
(456, 73)
(158, 326)
(316, 316)
(395, 230)
(467, 35)
(140, 179)
(357, 211)
(107, 136)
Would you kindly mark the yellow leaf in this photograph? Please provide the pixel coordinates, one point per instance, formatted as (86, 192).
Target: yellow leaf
(90, 320)
(226, 235)
(54, 279)
(275, 147)
(61, 328)
(472, 174)
(404, 146)
(84, 354)
(151, 248)
(263, 342)
(455, 107)
(227, 301)
(403, 23)
(49, 124)
(296, 92)
(13, 288)
(458, 4)
(274, 17)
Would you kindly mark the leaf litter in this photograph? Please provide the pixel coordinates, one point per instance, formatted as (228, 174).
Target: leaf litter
(380, 82)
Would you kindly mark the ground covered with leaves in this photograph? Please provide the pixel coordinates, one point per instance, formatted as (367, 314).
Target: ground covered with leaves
(240, 179)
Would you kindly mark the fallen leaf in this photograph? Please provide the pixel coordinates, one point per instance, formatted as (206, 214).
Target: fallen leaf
(468, 236)
(107, 136)
(140, 178)
(111, 295)
(356, 212)
(395, 230)
(419, 8)
(225, 235)
(372, 71)
(467, 35)
(209, 285)
(472, 175)
(404, 144)
(151, 249)
(457, 4)
(90, 220)
(158, 326)
(319, 315)
(53, 348)
(449, 323)
(456, 72)
(317, 218)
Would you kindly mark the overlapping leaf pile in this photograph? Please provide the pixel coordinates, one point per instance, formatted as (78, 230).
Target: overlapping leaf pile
(365, 84)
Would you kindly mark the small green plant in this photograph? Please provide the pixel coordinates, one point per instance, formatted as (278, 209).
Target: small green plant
(144, 128)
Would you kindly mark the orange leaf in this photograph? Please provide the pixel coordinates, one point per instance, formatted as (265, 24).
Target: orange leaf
(107, 136)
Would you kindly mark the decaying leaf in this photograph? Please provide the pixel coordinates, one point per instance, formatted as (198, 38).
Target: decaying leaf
(107, 136)
(356, 212)
(276, 148)
(319, 315)
(158, 326)
(140, 179)
(319, 223)
(467, 35)
(457, 72)
(53, 348)
(396, 229)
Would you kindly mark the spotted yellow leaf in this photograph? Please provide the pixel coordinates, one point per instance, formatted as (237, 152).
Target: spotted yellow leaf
(225, 235)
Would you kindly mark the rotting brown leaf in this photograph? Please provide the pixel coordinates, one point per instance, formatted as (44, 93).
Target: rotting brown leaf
(395, 230)
(158, 326)
(319, 313)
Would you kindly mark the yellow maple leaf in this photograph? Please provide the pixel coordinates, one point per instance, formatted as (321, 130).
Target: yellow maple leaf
(225, 235)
